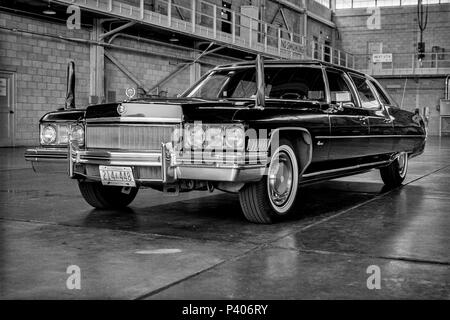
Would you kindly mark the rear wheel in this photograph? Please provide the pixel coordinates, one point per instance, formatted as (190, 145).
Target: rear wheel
(394, 174)
(274, 196)
(106, 197)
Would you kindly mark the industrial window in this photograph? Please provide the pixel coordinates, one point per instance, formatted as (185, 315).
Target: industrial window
(225, 14)
(345, 4)
(325, 3)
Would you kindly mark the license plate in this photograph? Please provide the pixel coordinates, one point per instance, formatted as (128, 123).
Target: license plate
(117, 176)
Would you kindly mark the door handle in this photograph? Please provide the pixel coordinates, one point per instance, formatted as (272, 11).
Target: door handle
(10, 111)
(363, 119)
(388, 120)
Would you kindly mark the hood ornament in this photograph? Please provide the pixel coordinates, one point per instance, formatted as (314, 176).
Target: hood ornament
(130, 92)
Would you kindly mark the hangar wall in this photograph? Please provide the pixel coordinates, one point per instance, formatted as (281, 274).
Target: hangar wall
(399, 34)
(40, 67)
(416, 92)
(399, 31)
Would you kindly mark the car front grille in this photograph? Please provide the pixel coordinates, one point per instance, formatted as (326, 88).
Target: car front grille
(127, 136)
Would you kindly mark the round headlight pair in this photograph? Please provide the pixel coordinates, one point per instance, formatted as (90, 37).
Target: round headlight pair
(58, 134)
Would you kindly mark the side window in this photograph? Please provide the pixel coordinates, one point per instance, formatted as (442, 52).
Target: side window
(367, 97)
(339, 88)
(299, 83)
(384, 99)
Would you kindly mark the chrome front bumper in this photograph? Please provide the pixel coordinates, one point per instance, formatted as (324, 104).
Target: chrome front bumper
(84, 163)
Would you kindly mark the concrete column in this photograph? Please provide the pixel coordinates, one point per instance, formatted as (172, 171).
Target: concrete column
(97, 67)
(194, 70)
(333, 5)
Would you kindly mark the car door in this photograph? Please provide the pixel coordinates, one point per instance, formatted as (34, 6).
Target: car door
(348, 121)
(380, 123)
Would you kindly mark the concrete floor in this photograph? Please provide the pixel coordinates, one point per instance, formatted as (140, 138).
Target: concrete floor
(198, 246)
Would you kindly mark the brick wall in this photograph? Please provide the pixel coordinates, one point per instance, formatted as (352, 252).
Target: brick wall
(40, 66)
(399, 29)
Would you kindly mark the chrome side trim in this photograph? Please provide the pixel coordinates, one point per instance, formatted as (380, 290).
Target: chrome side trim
(347, 168)
(373, 136)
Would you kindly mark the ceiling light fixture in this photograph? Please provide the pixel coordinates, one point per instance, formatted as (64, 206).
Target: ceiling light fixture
(173, 38)
(49, 10)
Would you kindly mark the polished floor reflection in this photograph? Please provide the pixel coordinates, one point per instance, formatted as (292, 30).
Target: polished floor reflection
(198, 245)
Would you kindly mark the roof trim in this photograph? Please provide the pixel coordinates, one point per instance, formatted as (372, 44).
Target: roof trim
(291, 62)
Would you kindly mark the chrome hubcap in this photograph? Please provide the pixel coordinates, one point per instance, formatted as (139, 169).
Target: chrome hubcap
(402, 164)
(280, 179)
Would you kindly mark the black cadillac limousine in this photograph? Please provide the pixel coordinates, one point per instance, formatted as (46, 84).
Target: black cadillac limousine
(260, 129)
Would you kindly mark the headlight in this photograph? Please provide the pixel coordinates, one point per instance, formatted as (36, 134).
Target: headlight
(194, 137)
(235, 137)
(57, 134)
(77, 132)
(214, 138)
(176, 136)
(48, 134)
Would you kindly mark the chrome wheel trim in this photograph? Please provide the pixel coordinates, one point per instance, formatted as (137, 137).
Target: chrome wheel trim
(402, 161)
(282, 179)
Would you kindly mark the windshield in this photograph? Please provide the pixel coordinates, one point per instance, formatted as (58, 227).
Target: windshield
(296, 83)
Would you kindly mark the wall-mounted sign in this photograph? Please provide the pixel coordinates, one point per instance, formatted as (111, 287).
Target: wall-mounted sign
(382, 57)
(3, 82)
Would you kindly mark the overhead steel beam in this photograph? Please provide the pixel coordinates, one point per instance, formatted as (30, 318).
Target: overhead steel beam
(168, 77)
(113, 31)
(122, 68)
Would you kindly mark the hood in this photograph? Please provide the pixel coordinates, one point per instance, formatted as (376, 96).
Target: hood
(191, 109)
(166, 110)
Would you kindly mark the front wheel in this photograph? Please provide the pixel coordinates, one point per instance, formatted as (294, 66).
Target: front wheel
(106, 197)
(274, 196)
(394, 174)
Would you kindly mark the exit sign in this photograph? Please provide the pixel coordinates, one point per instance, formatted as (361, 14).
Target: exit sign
(382, 57)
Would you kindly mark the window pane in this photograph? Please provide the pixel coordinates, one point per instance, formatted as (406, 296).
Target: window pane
(388, 3)
(343, 4)
(337, 85)
(409, 2)
(325, 3)
(363, 3)
(381, 94)
(368, 99)
(295, 83)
